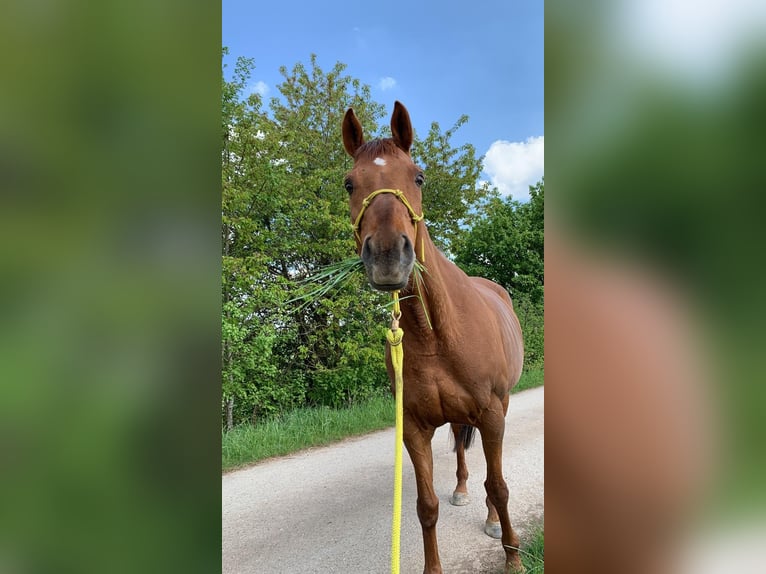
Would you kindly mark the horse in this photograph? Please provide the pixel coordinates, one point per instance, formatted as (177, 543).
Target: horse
(463, 349)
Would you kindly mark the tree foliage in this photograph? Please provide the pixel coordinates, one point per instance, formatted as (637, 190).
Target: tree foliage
(285, 215)
(451, 189)
(505, 244)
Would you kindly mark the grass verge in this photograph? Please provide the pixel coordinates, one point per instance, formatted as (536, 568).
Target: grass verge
(529, 380)
(533, 553)
(304, 428)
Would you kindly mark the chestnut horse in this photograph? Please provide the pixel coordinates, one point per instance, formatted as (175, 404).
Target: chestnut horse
(463, 344)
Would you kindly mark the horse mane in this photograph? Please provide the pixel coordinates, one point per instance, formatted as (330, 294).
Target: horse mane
(375, 148)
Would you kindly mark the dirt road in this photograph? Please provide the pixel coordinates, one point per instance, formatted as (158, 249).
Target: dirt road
(328, 510)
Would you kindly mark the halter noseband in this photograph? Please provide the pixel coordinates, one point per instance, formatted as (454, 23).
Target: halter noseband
(401, 197)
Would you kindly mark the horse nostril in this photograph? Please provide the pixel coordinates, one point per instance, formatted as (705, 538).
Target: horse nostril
(406, 244)
(366, 249)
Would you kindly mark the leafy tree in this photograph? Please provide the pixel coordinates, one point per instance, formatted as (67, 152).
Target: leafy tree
(328, 344)
(505, 245)
(247, 176)
(451, 191)
(284, 214)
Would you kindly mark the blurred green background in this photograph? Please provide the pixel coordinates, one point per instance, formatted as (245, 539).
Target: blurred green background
(110, 313)
(656, 148)
(655, 155)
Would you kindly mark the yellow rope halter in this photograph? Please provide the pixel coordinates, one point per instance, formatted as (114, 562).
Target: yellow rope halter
(413, 216)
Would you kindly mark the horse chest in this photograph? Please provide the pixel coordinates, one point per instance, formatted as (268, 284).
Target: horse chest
(438, 390)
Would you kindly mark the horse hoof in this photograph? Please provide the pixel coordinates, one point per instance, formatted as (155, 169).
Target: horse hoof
(493, 529)
(459, 499)
(514, 568)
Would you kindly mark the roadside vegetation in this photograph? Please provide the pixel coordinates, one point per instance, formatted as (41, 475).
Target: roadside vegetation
(533, 552)
(316, 426)
(530, 379)
(304, 428)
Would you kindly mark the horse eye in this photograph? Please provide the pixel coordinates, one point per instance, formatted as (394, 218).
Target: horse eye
(348, 185)
(420, 179)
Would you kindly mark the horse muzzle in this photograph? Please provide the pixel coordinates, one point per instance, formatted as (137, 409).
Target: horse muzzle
(388, 262)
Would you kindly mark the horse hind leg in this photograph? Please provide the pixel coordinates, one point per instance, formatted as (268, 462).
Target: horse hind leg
(462, 436)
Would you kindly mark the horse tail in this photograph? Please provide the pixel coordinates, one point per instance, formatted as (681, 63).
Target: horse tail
(465, 436)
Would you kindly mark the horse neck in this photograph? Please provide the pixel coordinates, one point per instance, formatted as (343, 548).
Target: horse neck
(434, 290)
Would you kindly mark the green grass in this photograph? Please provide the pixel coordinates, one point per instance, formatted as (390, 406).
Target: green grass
(304, 428)
(529, 379)
(533, 553)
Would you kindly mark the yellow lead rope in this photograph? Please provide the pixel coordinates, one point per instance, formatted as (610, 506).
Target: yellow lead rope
(394, 336)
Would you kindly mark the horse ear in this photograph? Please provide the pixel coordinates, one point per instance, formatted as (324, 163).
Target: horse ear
(353, 136)
(401, 127)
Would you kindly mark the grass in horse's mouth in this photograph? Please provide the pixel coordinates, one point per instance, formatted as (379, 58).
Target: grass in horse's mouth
(331, 277)
(325, 280)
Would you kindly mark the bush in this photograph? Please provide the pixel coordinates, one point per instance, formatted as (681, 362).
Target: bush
(360, 374)
(532, 318)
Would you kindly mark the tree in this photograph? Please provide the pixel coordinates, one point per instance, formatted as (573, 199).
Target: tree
(330, 345)
(246, 173)
(505, 245)
(284, 215)
(451, 190)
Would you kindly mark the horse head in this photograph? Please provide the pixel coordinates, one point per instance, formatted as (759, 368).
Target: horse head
(385, 199)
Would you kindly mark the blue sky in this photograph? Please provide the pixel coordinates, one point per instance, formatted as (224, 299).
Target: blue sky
(441, 60)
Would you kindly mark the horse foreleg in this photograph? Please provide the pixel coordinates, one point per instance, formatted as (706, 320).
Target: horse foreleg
(460, 496)
(418, 443)
(492, 429)
(492, 526)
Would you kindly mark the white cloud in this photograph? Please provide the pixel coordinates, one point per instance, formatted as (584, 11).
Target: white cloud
(259, 87)
(387, 83)
(514, 166)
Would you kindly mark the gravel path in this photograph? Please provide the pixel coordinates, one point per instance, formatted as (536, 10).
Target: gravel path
(328, 510)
